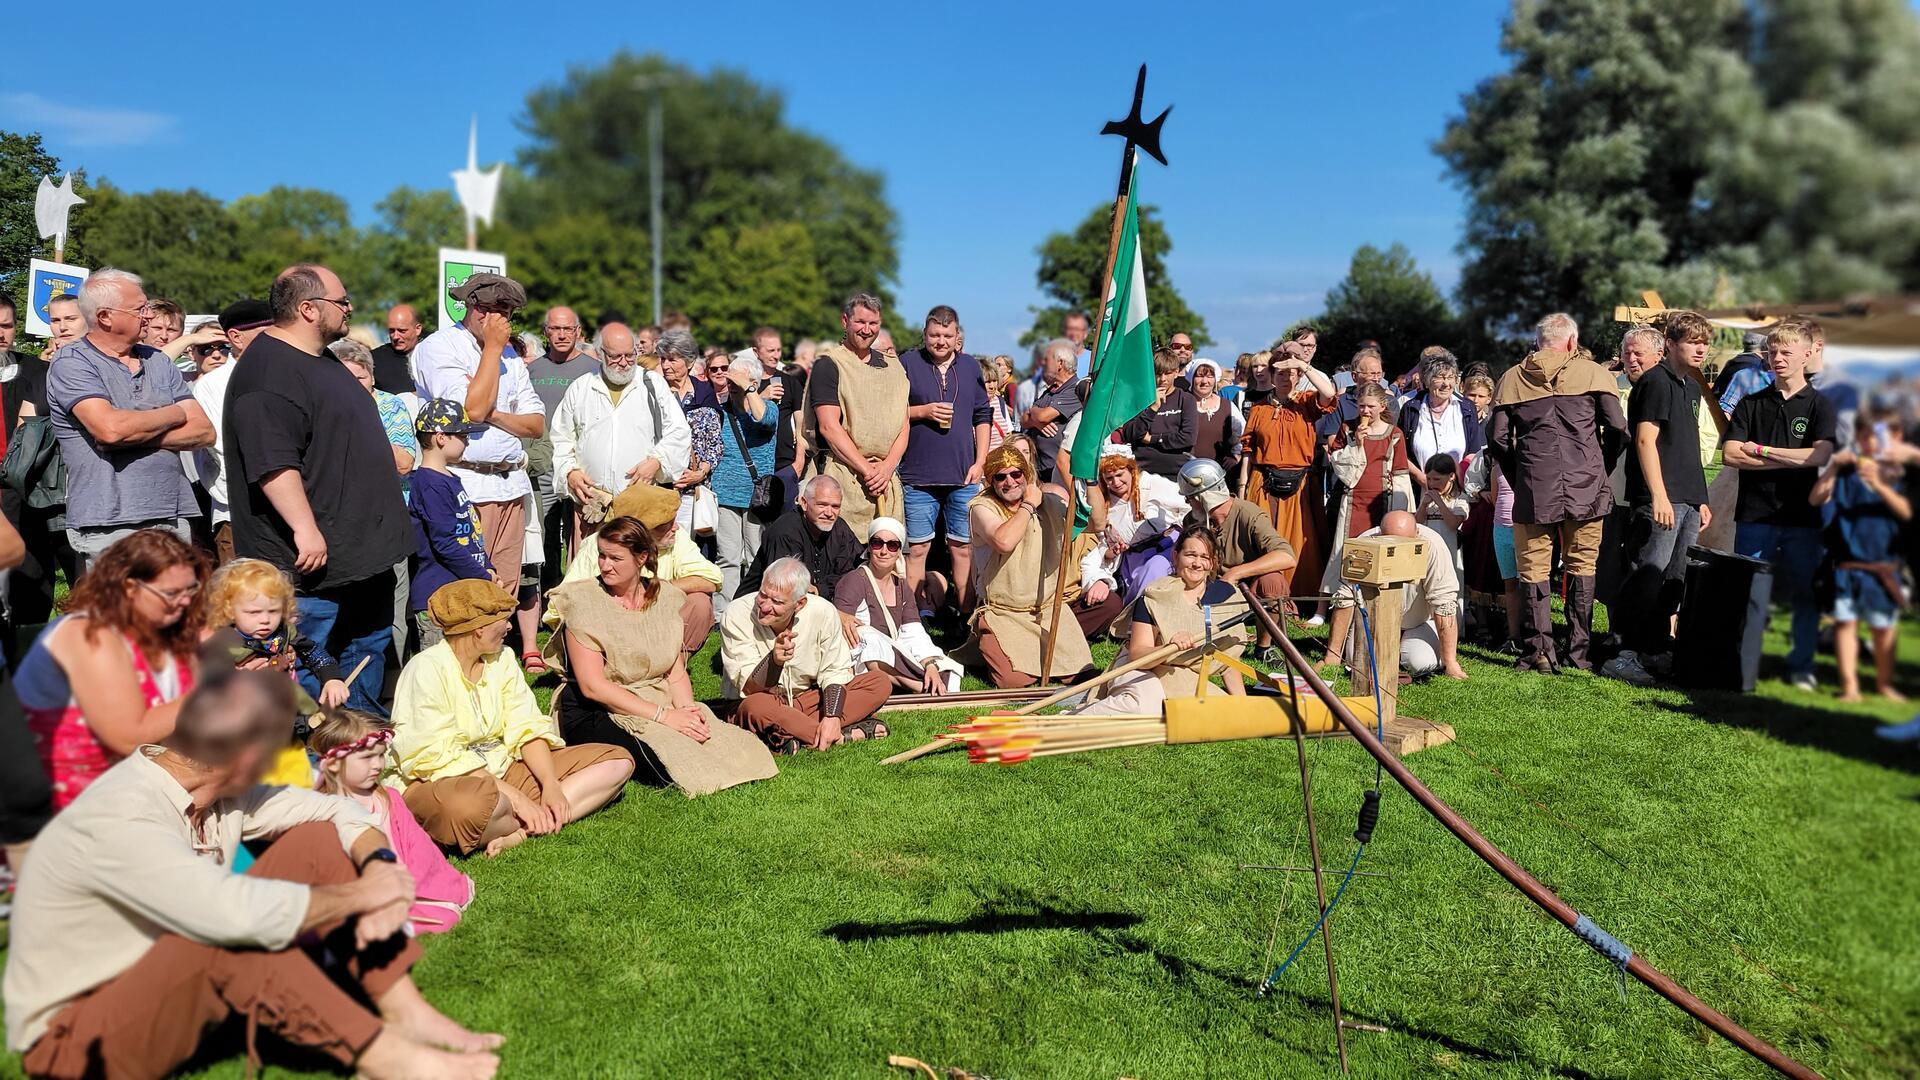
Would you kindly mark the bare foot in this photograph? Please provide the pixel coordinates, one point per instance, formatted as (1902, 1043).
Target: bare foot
(1851, 695)
(425, 1024)
(1891, 694)
(393, 1055)
(502, 843)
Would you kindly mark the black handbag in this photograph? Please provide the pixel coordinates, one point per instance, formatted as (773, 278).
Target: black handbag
(1282, 483)
(765, 494)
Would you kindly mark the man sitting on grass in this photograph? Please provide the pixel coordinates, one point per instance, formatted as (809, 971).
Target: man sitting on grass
(784, 654)
(133, 937)
(1430, 628)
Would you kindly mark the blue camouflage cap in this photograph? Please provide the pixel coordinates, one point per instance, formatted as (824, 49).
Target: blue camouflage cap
(443, 417)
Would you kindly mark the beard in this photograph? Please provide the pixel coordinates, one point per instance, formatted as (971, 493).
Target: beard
(619, 377)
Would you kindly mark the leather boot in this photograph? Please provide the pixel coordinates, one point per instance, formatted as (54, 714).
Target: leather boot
(1579, 621)
(1537, 625)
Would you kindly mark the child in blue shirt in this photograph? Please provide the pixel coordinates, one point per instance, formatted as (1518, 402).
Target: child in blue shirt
(448, 544)
(1869, 508)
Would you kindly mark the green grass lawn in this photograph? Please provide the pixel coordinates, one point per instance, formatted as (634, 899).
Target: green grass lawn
(1084, 916)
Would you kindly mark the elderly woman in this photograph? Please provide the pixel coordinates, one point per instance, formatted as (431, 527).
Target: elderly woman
(394, 414)
(1162, 435)
(483, 766)
(108, 675)
(678, 355)
(1279, 446)
(627, 682)
(749, 432)
(1177, 609)
(1218, 419)
(892, 641)
(1135, 543)
(1438, 419)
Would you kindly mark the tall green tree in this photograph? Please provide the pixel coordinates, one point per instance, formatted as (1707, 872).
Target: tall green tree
(762, 274)
(287, 225)
(731, 163)
(1387, 299)
(183, 244)
(402, 248)
(1635, 144)
(584, 261)
(23, 161)
(1073, 265)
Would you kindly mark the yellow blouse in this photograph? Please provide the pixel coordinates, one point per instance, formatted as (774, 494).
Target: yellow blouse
(445, 726)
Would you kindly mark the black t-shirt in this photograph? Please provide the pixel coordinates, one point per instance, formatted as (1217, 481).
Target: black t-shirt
(390, 370)
(29, 384)
(292, 409)
(1779, 496)
(793, 390)
(1671, 403)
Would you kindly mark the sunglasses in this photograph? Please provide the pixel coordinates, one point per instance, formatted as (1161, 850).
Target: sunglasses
(878, 544)
(209, 350)
(1010, 474)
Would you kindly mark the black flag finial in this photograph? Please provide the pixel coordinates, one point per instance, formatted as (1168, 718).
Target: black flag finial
(1142, 133)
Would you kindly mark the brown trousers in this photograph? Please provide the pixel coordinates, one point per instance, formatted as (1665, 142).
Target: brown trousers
(455, 810)
(1093, 619)
(697, 613)
(1579, 548)
(767, 712)
(151, 1018)
(503, 525)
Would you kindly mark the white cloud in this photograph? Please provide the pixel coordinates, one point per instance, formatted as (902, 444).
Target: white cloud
(83, 125)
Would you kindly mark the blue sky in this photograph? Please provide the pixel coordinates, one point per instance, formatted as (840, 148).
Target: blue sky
(1299, 132)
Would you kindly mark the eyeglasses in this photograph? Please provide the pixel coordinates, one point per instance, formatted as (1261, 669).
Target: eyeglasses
(878, 544)
(345, 303)
(1010, 474)
(619, 357)
(211, 348)
(171, 596)
(143, 309)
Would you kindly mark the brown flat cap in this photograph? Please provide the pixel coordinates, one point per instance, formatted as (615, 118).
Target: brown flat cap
(651, 504)
(461, 607)
(490, 290)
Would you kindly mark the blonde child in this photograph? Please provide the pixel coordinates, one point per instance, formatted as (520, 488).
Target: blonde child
(351, 747)
(250, 617)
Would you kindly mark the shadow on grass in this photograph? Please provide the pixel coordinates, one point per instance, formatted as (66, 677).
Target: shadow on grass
(1843, 733)
(996, 917)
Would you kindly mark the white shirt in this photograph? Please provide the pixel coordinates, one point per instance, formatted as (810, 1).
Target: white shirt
(121, 866)
(820, 654)
(443, 366)
(210, 463)
(606, 441)
(1161, 510)
(1437, 435)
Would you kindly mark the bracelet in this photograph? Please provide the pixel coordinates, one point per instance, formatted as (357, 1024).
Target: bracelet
(1763, 453)
(658, 713)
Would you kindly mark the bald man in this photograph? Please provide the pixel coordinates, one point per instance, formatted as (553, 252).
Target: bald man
(1429, 628)
(392, 362)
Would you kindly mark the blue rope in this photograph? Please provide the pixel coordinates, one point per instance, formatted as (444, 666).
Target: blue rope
(1606, 945)
(1380, 726)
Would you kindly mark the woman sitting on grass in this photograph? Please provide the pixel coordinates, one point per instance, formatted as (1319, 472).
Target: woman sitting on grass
(1177, 609)
(627, 685)
(892, 640)
(484, 767)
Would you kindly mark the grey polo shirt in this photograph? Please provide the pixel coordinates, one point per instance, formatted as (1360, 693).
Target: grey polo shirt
(110, 486)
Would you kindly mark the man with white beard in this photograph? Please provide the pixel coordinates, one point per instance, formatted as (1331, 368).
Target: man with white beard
(618, 426)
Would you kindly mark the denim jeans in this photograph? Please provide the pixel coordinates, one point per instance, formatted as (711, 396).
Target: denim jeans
(352, 621)
(1795, 552)
(1653, 577)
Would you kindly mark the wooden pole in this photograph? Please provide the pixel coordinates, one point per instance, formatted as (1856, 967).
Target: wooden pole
(1320, 891)
(1517, 875)
(1383, 606)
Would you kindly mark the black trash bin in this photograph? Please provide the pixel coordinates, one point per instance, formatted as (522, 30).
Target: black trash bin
(1723, 618)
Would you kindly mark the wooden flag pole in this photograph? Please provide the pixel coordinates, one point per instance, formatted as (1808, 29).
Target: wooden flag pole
(1146, 136)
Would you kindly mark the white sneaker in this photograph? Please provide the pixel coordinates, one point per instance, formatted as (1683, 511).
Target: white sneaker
(1804, 682)
(1317, 620)
(1626, 667)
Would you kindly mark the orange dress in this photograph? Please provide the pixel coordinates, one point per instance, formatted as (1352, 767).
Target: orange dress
(1280, 435)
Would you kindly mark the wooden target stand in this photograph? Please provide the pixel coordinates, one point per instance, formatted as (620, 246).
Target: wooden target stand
(1380, 568)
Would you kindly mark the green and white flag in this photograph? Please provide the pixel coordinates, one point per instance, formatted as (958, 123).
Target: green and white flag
(1123, 381)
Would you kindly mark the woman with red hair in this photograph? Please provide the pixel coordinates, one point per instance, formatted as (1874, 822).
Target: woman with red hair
(109, 674)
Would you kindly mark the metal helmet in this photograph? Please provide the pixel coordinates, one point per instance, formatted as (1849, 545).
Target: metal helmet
(1201, 475)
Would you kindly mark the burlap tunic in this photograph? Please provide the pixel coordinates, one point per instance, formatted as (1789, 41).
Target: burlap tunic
(1174, 614)
(1018, 596)
(640, 648)
(873, 409)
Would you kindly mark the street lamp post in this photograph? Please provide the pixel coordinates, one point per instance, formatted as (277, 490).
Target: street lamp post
(654, 85)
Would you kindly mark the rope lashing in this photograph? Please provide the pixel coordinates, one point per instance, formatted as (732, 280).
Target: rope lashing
(1608, 946)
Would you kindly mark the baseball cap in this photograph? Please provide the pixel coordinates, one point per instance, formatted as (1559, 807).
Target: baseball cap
(443, 417)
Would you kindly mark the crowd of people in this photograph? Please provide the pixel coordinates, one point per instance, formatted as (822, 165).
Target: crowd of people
(260, 516)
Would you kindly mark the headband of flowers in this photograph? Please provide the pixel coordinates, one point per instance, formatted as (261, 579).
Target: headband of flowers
(368, 741)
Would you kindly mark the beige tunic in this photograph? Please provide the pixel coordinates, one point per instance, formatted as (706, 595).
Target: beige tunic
(640, 648)
(1018, 596)
(873, 409)
(1174, 614)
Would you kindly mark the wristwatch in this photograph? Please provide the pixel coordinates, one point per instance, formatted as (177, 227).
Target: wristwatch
(374, 856)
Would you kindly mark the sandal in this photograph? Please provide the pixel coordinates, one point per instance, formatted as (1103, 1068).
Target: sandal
(784, 745)
(870, 728)
(533, 664)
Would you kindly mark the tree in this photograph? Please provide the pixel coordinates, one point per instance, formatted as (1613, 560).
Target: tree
(763, 274)
(23, 161)
(289, 225)
(731, 164)
(1387, 299)
(581, 260)
(184, 244)
(401, 251)
(1638, 144)
(1073, 264)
